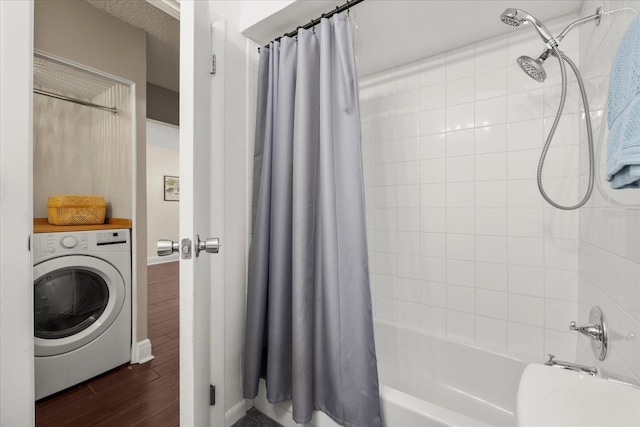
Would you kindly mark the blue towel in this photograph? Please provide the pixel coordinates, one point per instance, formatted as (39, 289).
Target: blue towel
(623, 114)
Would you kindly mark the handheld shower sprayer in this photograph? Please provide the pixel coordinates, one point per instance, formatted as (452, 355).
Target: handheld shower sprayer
(517, 17)
(535, 70)
(533, 67)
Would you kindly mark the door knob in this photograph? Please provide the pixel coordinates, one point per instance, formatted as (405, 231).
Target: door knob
(211, 245)
(167, 247)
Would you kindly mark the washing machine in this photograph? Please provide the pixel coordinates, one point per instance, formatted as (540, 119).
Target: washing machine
(82, 306)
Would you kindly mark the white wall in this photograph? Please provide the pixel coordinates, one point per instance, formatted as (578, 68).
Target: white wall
(610, 224)
(112, 151)
(460, 241)
(163, 158)
(62, 150)
(252, 12)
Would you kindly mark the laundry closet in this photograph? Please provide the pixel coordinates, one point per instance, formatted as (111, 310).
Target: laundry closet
(83, 138)
(89, 138)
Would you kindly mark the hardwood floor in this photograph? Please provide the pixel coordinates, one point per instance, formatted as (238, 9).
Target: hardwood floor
(131, 395)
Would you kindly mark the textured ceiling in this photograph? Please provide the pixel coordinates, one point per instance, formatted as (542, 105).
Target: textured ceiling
(163, 37)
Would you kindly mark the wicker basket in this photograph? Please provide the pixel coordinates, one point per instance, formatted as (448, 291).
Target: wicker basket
(73, 209)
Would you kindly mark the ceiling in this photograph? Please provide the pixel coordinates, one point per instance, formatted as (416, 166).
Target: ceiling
(389, 32)
(394, 32)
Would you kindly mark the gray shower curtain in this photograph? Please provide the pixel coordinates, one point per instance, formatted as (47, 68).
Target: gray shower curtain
(309, 329)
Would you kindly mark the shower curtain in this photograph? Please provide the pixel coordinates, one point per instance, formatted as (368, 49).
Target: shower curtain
(309, 329)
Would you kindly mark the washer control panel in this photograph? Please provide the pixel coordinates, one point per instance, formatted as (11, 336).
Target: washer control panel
(67, 243)
(61, 242)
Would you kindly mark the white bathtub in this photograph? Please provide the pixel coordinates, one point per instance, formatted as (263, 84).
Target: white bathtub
(427, 380)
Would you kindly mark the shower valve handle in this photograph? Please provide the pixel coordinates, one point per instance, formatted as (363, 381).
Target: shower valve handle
(592, 331)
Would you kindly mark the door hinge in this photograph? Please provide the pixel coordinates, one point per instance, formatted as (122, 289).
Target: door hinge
(212, 395)
(213, 64)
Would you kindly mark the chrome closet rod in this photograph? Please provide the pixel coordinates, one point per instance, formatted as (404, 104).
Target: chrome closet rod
(113, 110)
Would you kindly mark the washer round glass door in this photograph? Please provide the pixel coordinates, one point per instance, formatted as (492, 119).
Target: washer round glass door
(76, 299)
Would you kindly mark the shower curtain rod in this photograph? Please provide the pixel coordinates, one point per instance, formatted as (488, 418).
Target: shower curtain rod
(348, 5)
(113, 110)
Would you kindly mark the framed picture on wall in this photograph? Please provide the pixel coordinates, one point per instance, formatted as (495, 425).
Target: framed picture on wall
(171, 188)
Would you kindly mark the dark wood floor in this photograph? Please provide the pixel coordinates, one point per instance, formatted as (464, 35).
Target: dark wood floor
(131, 395)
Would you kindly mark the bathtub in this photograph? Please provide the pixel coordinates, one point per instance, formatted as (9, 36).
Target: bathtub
(428, 380)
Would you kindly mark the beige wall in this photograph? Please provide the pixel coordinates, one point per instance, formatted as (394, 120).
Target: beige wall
(163, 104)
(76, 31)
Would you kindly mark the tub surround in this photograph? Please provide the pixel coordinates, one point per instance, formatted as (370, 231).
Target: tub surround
(461, 243)
(609, 235)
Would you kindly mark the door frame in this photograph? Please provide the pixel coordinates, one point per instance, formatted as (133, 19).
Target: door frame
(16, 213)
(201, 214)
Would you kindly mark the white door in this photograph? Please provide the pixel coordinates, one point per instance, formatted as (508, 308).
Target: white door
(198, 212)
(200, 201)
(16, 224)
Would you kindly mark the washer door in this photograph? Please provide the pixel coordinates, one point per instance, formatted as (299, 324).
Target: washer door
(76, 298)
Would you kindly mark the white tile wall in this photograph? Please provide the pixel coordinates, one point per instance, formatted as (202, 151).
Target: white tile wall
(462, 242)
(609, 226)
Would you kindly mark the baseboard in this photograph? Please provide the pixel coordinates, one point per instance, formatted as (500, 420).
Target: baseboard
(235, 413)
(162, 259)
(142, 352)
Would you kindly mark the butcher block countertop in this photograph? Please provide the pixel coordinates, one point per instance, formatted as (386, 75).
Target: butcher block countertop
(41, 225)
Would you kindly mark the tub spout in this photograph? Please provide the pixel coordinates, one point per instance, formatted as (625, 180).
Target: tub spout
(593, 371)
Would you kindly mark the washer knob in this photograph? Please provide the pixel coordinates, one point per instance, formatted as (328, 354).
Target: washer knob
(68, 242)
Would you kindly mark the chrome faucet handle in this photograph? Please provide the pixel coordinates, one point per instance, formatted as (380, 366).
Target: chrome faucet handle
(597, 331)
(592, 331)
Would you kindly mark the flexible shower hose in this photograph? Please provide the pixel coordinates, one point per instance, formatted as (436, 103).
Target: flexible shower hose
(561, 58)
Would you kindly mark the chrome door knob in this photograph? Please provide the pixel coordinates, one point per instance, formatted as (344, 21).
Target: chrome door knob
(211, 245)
(167, 247)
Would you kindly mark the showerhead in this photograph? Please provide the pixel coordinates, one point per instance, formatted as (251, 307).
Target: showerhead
(510, 17)
(533, 68)
(517, 17)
